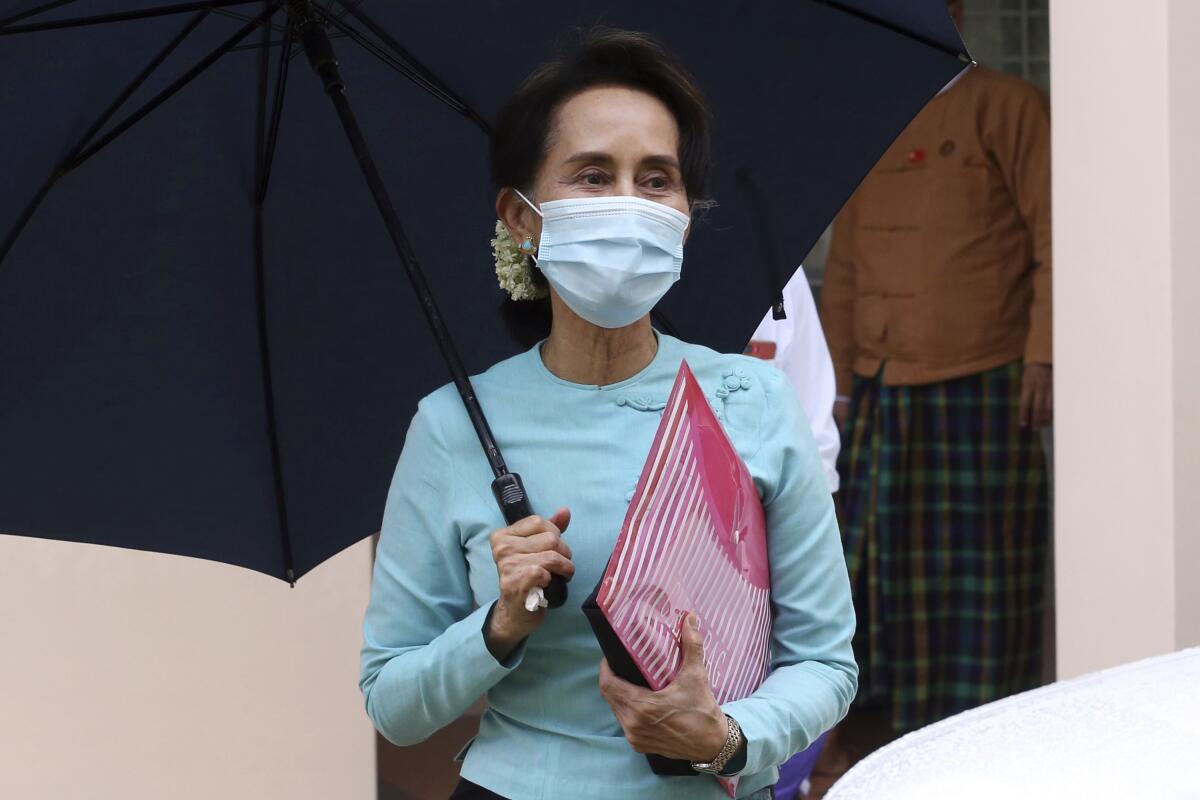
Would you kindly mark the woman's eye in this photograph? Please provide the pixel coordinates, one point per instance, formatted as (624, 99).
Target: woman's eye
(593, 179)
(658, 183)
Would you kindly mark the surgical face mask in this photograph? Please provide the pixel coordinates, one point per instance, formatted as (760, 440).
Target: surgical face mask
(610, 259)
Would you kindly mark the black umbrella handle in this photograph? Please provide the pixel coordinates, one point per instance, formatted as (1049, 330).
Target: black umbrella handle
(514, 504)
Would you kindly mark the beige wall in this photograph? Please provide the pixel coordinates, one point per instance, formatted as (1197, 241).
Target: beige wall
(1127, 328)
(133, 675)
(1184, 96)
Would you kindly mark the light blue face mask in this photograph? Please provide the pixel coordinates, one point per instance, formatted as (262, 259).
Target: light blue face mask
(610, 259)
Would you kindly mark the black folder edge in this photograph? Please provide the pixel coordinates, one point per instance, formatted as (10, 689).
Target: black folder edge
(624, 667)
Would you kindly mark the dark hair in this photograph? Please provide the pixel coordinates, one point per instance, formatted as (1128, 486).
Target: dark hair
(604, 57)
(601, 57)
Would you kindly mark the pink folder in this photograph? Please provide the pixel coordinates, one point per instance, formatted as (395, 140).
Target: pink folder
(693, 539)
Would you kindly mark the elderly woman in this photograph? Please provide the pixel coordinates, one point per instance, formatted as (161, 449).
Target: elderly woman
(599, 158)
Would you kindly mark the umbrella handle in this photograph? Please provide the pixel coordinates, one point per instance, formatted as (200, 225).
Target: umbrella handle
(514, 504)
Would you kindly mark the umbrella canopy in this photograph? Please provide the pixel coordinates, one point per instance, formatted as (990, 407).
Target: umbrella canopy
(177, 376)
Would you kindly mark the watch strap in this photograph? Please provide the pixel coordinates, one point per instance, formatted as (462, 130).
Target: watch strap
(733, 740)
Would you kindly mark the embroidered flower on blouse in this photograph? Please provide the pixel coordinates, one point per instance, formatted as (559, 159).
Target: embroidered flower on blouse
(641, 403)
(733, 380)
(513, 268)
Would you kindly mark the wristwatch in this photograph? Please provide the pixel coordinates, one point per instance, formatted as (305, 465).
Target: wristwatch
(733, 740)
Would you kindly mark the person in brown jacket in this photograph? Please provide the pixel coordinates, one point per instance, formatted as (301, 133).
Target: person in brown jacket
(936, 306)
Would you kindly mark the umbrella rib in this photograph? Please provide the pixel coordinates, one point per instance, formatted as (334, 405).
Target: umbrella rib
(407, 70)
(264, 150)
(891, 26)
(64, 166)
(33, 12)
(119, 16)
(246, 18)
(277, 42)
(276, 114)
(345, 5)
(171, 90)
(428, 79)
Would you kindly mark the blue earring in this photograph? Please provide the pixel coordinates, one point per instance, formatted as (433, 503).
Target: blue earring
(527, 245)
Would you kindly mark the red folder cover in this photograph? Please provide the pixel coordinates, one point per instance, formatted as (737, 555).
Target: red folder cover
(694, 539)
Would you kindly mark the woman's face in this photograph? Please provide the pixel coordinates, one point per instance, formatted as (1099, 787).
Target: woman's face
(610, 141)
(613, 141)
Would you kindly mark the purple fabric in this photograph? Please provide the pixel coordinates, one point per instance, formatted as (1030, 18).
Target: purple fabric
(797, 769)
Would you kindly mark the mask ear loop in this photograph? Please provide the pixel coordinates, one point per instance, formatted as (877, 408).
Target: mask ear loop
(536, 210)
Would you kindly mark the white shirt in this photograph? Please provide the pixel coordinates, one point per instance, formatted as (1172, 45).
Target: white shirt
(801, 352)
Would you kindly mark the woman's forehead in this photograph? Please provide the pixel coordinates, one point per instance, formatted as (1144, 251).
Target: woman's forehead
(624, 123)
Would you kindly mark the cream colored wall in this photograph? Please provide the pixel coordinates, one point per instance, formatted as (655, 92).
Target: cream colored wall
(1184, 94)
(1126, 194)
(133, 675)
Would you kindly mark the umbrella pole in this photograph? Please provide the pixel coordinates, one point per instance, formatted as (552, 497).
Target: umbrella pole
(507, 487)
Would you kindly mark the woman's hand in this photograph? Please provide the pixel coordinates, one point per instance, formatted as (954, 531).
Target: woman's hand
(525, 554)
(681, 720)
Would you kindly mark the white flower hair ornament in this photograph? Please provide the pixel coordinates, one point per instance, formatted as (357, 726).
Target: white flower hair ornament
(514, 268)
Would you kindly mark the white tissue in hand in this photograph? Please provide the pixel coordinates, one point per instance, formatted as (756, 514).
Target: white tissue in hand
(535, 600)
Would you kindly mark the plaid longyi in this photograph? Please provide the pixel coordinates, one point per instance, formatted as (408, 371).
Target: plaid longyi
(945, 525)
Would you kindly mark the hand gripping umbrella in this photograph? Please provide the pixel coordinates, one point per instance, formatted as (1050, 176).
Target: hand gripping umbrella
(205, 347)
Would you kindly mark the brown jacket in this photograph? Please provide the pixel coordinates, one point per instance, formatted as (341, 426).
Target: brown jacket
(940, 262)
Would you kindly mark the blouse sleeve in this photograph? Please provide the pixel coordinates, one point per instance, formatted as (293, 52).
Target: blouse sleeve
(814, 676)
(424, 661)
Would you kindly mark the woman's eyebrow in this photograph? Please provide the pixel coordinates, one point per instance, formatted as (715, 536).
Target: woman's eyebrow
(661, 161)
(598, 157)
(591, 157)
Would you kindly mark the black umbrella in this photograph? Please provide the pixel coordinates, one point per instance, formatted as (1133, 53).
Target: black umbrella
(207, 346)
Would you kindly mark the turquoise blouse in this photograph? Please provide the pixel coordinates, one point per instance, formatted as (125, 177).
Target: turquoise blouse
(547, 732)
